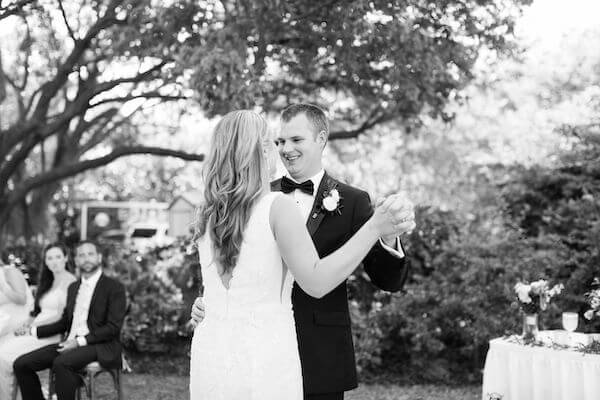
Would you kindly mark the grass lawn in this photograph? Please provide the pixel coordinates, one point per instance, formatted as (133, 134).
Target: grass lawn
(173, 387)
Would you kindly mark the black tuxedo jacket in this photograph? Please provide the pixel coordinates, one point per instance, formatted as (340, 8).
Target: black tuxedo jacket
(323, 325)
(105, 319)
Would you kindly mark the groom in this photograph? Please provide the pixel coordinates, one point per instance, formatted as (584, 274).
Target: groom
(92, 317)
(334, 211)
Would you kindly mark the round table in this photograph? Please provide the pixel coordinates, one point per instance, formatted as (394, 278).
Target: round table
(514, 371)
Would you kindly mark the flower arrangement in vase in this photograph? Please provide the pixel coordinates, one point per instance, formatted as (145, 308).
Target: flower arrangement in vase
(532, 298)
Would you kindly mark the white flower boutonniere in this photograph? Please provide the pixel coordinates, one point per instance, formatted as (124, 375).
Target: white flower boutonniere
(332, 201)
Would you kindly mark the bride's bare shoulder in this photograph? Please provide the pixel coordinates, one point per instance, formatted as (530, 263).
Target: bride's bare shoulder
(282, 203)
(283, 208)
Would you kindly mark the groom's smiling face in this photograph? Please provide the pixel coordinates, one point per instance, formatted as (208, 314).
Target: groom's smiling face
(300, 147)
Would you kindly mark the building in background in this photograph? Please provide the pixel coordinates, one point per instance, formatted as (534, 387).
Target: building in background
(182, 213)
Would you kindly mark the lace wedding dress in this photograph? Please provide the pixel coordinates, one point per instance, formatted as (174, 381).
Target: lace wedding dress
(246, 348)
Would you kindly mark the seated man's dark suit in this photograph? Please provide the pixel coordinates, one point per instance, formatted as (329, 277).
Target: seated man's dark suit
(105, 319)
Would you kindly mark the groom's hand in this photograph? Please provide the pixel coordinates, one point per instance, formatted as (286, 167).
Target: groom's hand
(403, 214)
(197, 312)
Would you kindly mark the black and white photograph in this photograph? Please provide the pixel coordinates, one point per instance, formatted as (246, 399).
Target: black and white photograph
(299, 200)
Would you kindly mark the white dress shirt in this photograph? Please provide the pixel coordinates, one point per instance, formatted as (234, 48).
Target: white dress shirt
(305, 204)
(79, 325)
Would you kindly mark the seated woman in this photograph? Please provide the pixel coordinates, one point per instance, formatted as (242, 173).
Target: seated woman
(50, 300)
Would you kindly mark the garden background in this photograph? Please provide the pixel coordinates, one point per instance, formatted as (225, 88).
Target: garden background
(485, 112)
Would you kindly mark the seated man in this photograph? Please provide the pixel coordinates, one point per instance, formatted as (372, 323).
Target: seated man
(92, 320)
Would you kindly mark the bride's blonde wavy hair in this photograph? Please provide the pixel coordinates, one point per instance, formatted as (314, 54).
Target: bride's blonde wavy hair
(234, 173)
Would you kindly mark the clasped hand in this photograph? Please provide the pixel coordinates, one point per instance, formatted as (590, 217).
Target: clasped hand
(394, 215)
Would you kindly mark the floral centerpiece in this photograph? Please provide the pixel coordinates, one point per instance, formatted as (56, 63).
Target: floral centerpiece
(593, 298)
(534, 297)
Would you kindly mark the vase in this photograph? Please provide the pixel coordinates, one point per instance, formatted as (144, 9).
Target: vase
(530, 327)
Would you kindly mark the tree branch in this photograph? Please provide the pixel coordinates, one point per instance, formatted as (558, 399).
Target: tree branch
(26, 45)
(148, 95)
(376, 117)
(14, 8)
(51, 87)
(64, 15)
(17, 90)
(69, 170)
(31, 138)
(31, 100)
(101, 134)
(83, 125)
(26, 133)
(105, 86)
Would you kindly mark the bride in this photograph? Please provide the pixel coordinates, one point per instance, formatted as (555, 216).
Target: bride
(253, 244)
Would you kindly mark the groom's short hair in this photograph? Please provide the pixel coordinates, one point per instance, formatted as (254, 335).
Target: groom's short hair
(313, 113)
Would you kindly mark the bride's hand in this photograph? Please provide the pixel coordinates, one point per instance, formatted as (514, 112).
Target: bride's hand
(394, 215)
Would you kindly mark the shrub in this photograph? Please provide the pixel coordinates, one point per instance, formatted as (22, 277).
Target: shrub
(546, 224)
(160, 291)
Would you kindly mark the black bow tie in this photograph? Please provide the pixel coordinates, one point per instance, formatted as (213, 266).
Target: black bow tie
(288, 186)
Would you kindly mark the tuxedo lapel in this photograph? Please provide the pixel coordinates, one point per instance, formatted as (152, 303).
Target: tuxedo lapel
(316, 215)
(74, 298)
(71, 301)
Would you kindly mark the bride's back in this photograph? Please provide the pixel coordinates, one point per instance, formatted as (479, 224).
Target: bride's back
(259, 281)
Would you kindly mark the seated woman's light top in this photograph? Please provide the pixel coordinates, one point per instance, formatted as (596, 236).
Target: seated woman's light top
(49, 305)
(15, 300)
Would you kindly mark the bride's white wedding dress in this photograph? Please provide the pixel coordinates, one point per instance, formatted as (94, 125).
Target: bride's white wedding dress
(246, 347)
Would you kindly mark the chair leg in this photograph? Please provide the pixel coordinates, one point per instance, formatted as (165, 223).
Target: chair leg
(116, 374)
(50, 384)
(92, 378)
(89, 383)
(120, 386)
(15, 389)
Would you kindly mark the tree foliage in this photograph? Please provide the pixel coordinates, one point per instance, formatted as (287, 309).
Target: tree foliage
(76, 72)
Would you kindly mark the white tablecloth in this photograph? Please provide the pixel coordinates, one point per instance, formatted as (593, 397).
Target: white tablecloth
(517, 372)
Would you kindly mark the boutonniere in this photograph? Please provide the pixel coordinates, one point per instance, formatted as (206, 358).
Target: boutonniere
(332, 200)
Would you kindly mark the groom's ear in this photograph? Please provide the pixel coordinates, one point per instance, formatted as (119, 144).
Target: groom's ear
(322, 137)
